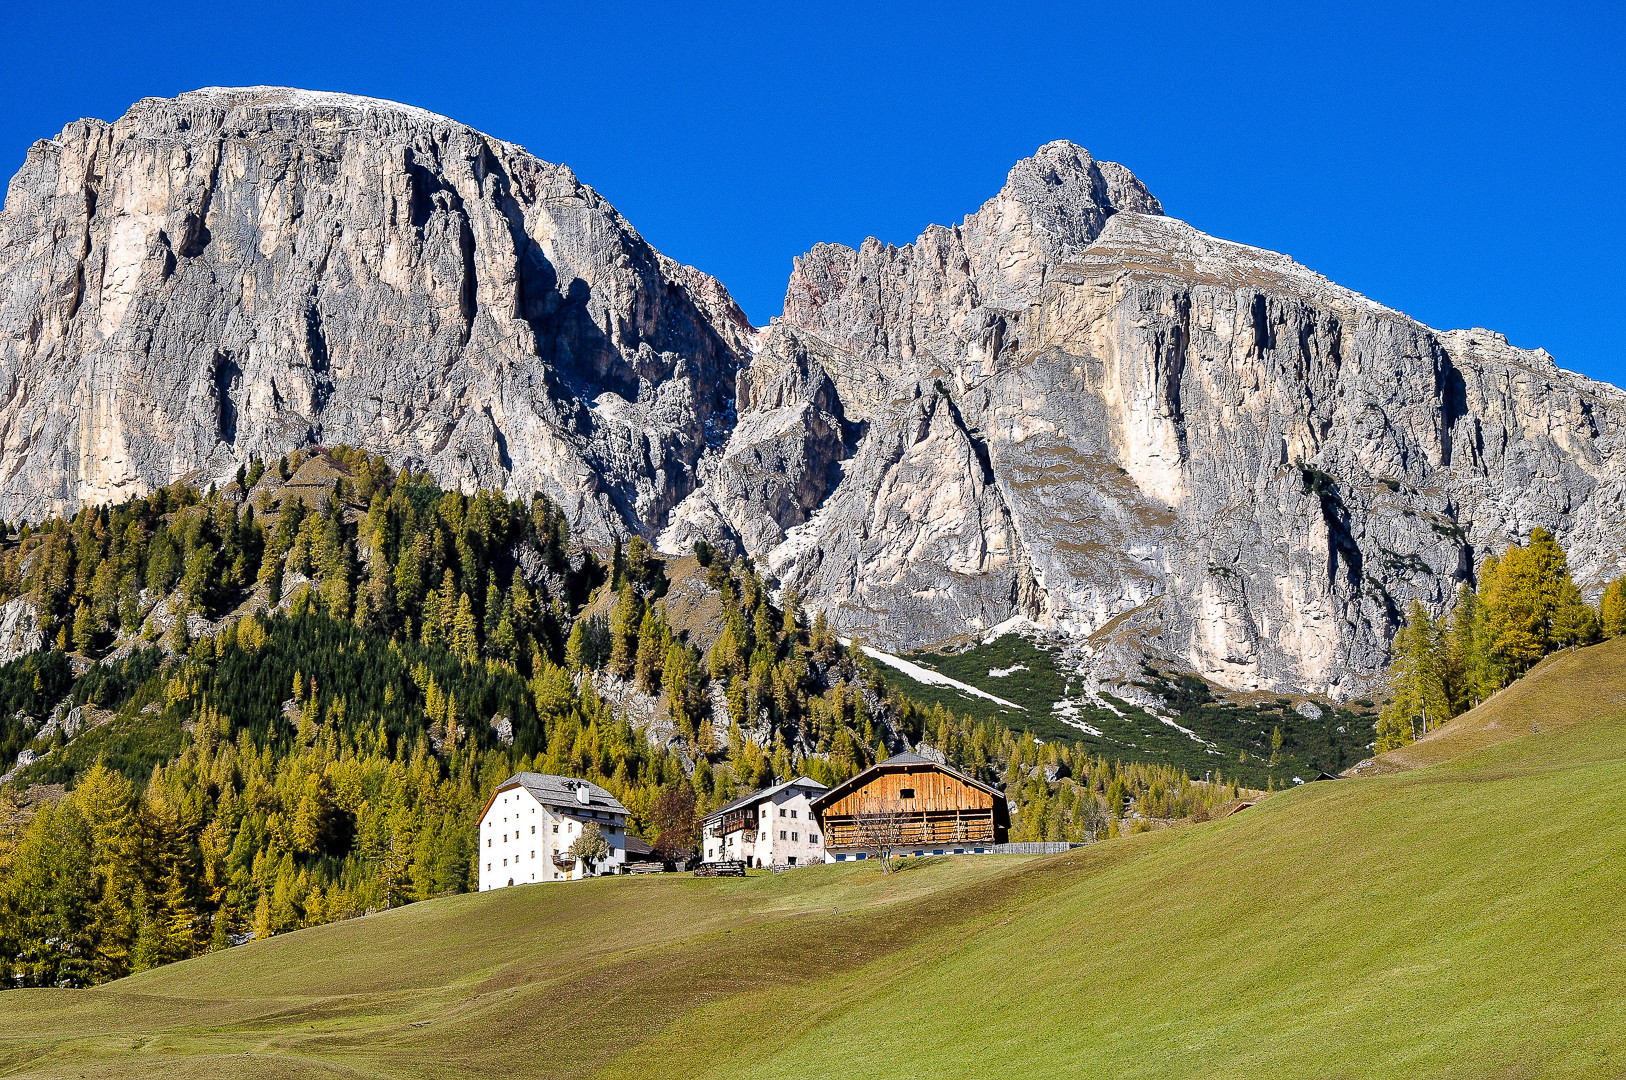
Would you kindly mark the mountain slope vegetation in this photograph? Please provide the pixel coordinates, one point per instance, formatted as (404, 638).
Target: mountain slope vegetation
(1455, 920)
(287, 700)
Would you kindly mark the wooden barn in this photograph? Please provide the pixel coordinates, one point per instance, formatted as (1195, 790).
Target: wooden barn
(943, 811)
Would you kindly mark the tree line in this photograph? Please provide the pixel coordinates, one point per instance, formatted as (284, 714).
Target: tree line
(1526, 606)
(381, 658)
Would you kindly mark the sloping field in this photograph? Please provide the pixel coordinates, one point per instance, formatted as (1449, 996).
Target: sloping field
(1566, 688)
(1461, 920)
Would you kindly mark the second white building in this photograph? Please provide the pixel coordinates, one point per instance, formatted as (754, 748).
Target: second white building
(772, 827)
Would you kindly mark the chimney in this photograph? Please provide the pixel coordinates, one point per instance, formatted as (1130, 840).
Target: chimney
(583, 796)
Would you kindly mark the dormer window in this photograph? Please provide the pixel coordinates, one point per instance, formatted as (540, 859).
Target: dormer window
(906, 793)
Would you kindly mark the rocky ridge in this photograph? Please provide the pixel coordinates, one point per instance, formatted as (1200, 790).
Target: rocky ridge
(1068, 411)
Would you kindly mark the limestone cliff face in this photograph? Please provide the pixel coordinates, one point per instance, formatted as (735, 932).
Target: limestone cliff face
(238, 272)
(1068, 409)
(1077, 412)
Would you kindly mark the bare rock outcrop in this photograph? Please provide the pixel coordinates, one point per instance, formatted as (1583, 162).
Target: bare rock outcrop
(1079, 413)
(238, 272)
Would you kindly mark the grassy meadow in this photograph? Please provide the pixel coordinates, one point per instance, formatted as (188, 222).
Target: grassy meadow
(1461, 915)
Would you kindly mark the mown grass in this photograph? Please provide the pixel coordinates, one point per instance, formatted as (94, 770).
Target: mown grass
(1458, 920)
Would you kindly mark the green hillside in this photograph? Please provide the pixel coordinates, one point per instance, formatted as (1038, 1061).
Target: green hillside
(1458, 920)
(1202, 733)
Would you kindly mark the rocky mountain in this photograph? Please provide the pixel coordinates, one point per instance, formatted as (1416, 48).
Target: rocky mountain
(1073, 411)
(1068, 411)
(238, 272)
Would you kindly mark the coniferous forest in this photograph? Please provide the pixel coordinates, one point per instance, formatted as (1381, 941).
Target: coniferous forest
(1525, 607)
(285, 700)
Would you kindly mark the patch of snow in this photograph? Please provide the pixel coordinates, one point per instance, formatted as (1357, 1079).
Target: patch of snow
(316, 99)
(929, 677)
(1001, 672)
(1067, 713)
(1187, 732)
(1009, 626)
(804, 538)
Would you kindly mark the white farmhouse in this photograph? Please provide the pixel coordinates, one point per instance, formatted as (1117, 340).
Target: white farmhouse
(532, 819)
(773, 827)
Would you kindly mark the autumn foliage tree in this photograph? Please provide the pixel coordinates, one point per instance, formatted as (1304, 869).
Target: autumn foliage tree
(1527, 606)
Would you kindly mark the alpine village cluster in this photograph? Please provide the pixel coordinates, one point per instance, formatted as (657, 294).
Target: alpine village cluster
(325, 688)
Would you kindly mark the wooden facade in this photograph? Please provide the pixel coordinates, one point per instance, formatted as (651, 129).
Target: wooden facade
(939, 805)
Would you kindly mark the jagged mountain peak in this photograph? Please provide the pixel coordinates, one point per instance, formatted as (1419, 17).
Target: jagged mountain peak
(1062, 176)
(1067, 411)
(240, 271)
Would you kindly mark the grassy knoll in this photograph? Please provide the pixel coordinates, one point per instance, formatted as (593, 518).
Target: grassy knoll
(1458, 920)
(1568, 687)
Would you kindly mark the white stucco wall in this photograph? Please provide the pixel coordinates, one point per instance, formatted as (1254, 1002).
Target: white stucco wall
(787, 812)
(519, 836)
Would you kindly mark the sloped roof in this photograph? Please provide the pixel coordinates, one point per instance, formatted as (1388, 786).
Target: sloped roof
(559, 791)
(906, 760)
(638, 846)
(765, 793)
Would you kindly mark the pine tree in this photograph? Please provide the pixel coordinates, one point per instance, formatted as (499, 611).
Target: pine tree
(625, 621)
(650, 655)
(465, 631)
(1416, 692)
(576, 647)
(1612, 609)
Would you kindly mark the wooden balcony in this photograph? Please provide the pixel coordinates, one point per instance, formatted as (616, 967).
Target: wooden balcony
(962, 827)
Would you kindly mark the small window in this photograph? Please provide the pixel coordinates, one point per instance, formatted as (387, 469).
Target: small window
(812, 837)
(488, 866)
(781, 834)
(906, 793)
(764, 836)
(533, 830)
(793, 836)
(781, 811)
(793, 813)
(555, 826)
(505, 862)
(488, 841)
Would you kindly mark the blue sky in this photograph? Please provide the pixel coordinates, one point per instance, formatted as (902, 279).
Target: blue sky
(1466, 164)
